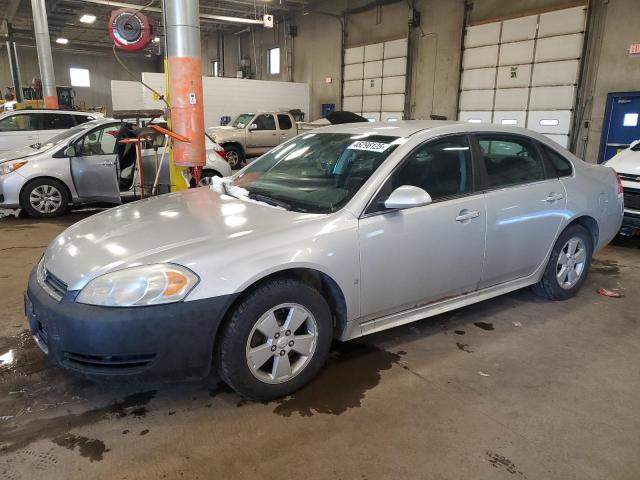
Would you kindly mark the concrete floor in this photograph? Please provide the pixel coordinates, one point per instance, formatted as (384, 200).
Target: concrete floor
(515, 387)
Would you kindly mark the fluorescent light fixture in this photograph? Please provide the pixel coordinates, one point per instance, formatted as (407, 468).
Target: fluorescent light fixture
(509, 121)
(88, 18)
(156, 39)
(62, 40)
(474, 120)
(551, 122)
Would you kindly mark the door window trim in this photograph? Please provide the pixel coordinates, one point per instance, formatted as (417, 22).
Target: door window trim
(482, 169)
(553, 173)
(474, 176)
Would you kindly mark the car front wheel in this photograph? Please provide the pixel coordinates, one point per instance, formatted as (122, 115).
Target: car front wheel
(44, 198)
(568, 265)
(235, 156)
(276, 340)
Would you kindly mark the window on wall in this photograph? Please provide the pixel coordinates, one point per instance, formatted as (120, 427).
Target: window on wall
(273, 57)
(79, 77)
(215, 69)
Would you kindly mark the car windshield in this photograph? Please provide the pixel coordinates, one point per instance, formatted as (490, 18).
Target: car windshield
(242, 120)
(317, 172)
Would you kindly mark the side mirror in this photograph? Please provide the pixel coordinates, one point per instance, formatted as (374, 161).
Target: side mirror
(70, 151)
(407, 196)
(253, 126)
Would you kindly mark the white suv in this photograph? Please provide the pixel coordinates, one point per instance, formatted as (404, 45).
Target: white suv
(21, 128)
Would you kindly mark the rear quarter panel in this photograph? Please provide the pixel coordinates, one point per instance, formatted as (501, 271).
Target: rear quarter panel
(592, 191)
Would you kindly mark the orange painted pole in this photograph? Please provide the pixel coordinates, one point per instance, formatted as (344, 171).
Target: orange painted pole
(45, 60)
(185, 81)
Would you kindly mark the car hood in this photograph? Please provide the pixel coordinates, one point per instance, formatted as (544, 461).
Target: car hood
(221, 134)
(177, 228)
(627, 162)
(18, 153)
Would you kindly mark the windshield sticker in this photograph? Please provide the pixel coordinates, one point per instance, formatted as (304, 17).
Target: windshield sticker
(369, 146)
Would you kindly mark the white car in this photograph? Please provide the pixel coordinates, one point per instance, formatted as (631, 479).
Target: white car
(21, 128)
(627, 165)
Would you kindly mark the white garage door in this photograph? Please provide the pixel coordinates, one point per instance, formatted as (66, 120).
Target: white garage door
(524, 72)
(375, 80)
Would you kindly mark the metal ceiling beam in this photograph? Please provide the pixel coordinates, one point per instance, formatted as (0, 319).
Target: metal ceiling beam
(203, 16)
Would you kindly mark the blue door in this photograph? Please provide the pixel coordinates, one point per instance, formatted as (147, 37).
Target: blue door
(621, 123)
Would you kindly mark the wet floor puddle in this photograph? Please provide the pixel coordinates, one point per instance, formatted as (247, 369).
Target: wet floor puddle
(352, 369)
(604, 267)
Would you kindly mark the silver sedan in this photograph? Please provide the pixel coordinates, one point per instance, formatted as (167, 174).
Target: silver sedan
(338, 233)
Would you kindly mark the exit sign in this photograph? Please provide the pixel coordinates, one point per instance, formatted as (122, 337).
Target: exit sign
(634, 49)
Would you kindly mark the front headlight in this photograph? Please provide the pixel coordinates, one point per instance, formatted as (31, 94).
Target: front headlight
(138, 286)
(8, 167)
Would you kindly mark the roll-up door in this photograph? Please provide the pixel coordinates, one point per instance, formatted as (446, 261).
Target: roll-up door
(524, 72)
(374, 82)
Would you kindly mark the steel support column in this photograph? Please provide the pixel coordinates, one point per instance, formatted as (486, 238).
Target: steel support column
(14, 66)
(45, 60)
(185, 81)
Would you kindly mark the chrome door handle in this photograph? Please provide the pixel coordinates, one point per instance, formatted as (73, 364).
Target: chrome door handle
(108, 164)
(554, 197)
(465, 215)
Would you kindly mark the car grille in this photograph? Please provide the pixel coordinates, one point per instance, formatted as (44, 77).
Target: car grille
(631, 199)
(629, 178)
(55, 284)
(110, 362)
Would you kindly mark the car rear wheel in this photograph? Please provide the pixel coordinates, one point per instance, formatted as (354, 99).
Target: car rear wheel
(235, 156)
(276, 340)
(205, 178)
(44, 198)
(568, 265)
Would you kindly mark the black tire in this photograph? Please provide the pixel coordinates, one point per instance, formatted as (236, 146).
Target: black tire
(550, 286)
(59, 203)
(231, 348)
(235, 156)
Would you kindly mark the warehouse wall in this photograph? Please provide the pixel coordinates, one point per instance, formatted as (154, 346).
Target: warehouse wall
(102, 69)
(617, 70)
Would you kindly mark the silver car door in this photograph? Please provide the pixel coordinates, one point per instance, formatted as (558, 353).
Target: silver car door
(424, 254)
(94, 166)
(524, 208)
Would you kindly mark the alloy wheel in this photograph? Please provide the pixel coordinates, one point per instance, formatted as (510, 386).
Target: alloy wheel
(571, 263)
(233, 159)
(281, 343)
(45, 199)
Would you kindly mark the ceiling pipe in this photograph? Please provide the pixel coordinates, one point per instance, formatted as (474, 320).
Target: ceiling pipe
(203, 16)
(45, 60)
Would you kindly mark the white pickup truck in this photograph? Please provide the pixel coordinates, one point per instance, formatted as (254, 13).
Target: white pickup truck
(252, 134)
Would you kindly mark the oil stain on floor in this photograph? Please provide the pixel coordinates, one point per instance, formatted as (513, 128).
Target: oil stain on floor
(605, 267)
(89, 448)
(352, 369)
(484, 325)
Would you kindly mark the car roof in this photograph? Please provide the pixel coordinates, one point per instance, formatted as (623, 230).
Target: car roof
(403, 128)
(49, 110)
(406, 128)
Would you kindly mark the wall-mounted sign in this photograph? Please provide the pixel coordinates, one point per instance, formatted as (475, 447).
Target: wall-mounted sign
(634, 49)
(514, 72)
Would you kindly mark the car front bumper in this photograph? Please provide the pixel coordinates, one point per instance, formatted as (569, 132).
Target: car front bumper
(631, 220)
(171, 340)
(10, 186)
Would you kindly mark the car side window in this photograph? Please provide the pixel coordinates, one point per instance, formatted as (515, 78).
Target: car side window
(561, 165)
(98, 142)
(56, 121)
(18, 123)
(441, 167)
(510, 160)
(285, 122)
(265, 122)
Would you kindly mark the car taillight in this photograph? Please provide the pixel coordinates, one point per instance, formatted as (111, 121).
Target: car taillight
(620, 189)
(222, 153)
